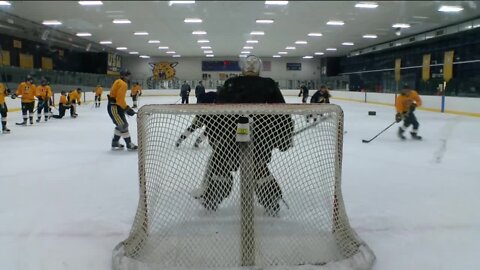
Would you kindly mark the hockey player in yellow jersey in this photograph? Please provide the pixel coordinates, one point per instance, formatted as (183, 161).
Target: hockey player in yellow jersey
(98, 95)
(117, 108)
(406, 103)
(27, 91)
(74, 98)
(44, 93)
(135, 93)
(4, 92)
(63, 105)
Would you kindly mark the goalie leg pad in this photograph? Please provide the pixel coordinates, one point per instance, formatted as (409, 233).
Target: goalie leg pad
(269, 194)
(218, 188)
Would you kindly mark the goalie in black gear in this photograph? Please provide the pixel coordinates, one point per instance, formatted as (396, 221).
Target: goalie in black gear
(268, 132)
(198, 120)
(321, 96)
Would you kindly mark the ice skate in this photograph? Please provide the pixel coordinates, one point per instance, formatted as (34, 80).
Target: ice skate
(132, 147)
(117, 146)
(400, 133)
(415, 136)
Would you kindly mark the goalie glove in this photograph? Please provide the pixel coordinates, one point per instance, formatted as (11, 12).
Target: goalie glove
(13, 96)
(130, 111)
(399, 117)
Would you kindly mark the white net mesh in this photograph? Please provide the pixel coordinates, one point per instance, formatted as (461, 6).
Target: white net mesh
(274, 201)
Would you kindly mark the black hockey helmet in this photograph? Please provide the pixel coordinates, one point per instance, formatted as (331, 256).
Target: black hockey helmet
(29, 78)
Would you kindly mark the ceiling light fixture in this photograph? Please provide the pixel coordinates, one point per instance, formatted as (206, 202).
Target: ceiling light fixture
(205, 47)
(199, 33)
(170, 3)
(83, 34)
(176, 55)
(369, 36)
(245, 52)
(208, 52)
(52, 22)
(121, 48)
(264, 21)
(105, 42)
(171, 52)
(335, 23)
(366, 5)
(90, 3)
(290, 48)
(450, 9)
(257, 33)
(5, 3)
(401, 25)
(133, 52)
(121, 21)
(209, 55)
(348, 43)
(331, 49)
(319, 53)
(315, 34)
(252, 41)
(247, 47)
(276, 3)
(203, 41)
(140, 33)
(154, 41)
(282, 53)
(276, 56)
(192, 20)
(301, 42)
(144, 56)
(163, 48)
(308, 57)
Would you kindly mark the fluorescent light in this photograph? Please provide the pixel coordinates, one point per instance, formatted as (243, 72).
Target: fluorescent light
(180, 2)
(331, 49)
(163, 48)
(140, 33)
(133, 52)
(401, 25)
(90, 3)
(205, 47)
(335, 23)
(257, 33)
(369, 36)
(348, 43)
(282, 53)
(52, 22)
(450, 9)
(308, 57)
(121, 48)
(252, 41)
(247, 47)
(203, 41)
(264, 21)
(301, 42)
(121, 21)
(315, 34)
(366, 5)
(209, 55)
(105, 42)
(245, 52)
(208, 52)
(144, 56)
(192, 20)
(199, 33)
(290, 48)
(5, 3)
(278, 3)
(154, 41)
(276, 56)
(242, 55)
(171, 52)
(83, 34)
(176, 55)
(319, 53)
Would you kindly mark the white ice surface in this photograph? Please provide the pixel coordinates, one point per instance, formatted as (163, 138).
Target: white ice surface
(66, 199)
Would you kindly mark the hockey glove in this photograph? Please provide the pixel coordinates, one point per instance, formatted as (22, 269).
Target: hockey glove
(130, 111)
(7, 91)
(413, 106)
(398, 117)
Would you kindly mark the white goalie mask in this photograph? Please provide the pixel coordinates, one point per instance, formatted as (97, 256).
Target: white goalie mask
(251, 65)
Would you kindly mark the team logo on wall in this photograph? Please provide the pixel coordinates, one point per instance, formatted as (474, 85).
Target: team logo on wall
(162, 71)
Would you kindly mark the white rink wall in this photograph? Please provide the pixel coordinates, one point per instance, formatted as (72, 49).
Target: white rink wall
(457, 105)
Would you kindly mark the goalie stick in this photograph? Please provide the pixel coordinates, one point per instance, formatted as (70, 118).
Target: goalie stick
(367, 141)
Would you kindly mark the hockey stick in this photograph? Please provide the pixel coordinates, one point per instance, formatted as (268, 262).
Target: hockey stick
(306, 128)
(367, 141)
(177, 100)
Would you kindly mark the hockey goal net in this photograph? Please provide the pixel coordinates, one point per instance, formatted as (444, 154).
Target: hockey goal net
(299, 221)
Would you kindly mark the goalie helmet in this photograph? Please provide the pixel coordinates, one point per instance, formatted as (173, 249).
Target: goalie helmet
(251, 65)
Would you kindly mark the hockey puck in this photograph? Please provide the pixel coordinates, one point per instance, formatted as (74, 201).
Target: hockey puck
(372, 113)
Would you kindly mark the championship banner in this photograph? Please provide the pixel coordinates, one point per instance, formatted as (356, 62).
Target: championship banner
(426, 67)
(448, 66)
(114, 64)
(398, 63)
